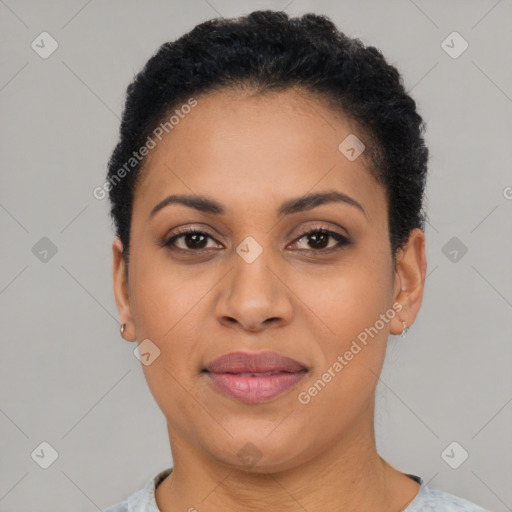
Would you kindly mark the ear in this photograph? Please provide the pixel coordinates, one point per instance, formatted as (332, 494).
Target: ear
(119, 274)
(411, 269)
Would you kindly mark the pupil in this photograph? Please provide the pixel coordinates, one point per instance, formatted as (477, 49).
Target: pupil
(318, 240)
(321, 235)
(195, 237)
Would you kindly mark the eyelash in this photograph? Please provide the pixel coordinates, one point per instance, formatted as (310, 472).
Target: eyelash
(341, 239)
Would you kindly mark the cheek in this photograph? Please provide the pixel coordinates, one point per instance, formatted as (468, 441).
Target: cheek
(352, 340)
(170, 307)
(163, 295)
(172, 376)
(350, 305)
(346, 300)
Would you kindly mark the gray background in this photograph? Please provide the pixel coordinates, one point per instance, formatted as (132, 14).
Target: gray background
(70, 380)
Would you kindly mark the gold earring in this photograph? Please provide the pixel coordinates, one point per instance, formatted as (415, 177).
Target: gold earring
(122, 328)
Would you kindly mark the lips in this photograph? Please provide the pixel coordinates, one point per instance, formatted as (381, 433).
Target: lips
(254, 378)
(253, 363)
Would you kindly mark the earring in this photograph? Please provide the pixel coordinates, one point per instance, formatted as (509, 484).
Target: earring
(122, 328)
(404, 332)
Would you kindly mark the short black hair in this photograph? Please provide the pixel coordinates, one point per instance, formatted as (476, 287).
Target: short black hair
(264, 51)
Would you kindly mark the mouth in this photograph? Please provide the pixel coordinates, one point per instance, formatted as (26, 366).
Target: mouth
(254, 377)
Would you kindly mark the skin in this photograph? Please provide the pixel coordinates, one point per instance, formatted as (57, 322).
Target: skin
(251, 153)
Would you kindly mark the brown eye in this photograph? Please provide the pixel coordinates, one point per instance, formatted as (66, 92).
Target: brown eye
(318, 240)
(193, 240)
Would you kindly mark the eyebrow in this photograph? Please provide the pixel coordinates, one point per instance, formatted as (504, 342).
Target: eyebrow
(295, 205)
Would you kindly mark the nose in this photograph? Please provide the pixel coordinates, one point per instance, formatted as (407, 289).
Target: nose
(255, 296)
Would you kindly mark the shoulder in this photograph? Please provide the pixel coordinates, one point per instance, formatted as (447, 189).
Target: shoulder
(144, 499)
(119, 507)
(132, 503)
(434, 500)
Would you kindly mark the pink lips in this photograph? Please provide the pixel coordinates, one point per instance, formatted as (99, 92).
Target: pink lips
(254, 378)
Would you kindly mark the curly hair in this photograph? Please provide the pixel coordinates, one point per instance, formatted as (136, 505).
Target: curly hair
(269, 51)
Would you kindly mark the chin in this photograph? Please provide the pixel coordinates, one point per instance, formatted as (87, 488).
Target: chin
(261, 453)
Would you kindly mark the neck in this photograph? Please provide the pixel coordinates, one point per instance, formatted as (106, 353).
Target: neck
(349, 475)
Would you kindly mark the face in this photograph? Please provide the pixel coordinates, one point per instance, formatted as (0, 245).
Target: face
(250, 279)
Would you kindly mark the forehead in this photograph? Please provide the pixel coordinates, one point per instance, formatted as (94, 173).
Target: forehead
(245, 148)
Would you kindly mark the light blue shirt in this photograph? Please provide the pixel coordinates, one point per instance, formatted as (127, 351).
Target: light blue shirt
(427, 500)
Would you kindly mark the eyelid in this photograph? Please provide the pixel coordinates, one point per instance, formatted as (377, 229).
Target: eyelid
(342, 240)
(305, 230)
(183, 230)
(325, 226)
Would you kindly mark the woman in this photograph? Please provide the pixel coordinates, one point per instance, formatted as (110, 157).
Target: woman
(267, 193)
